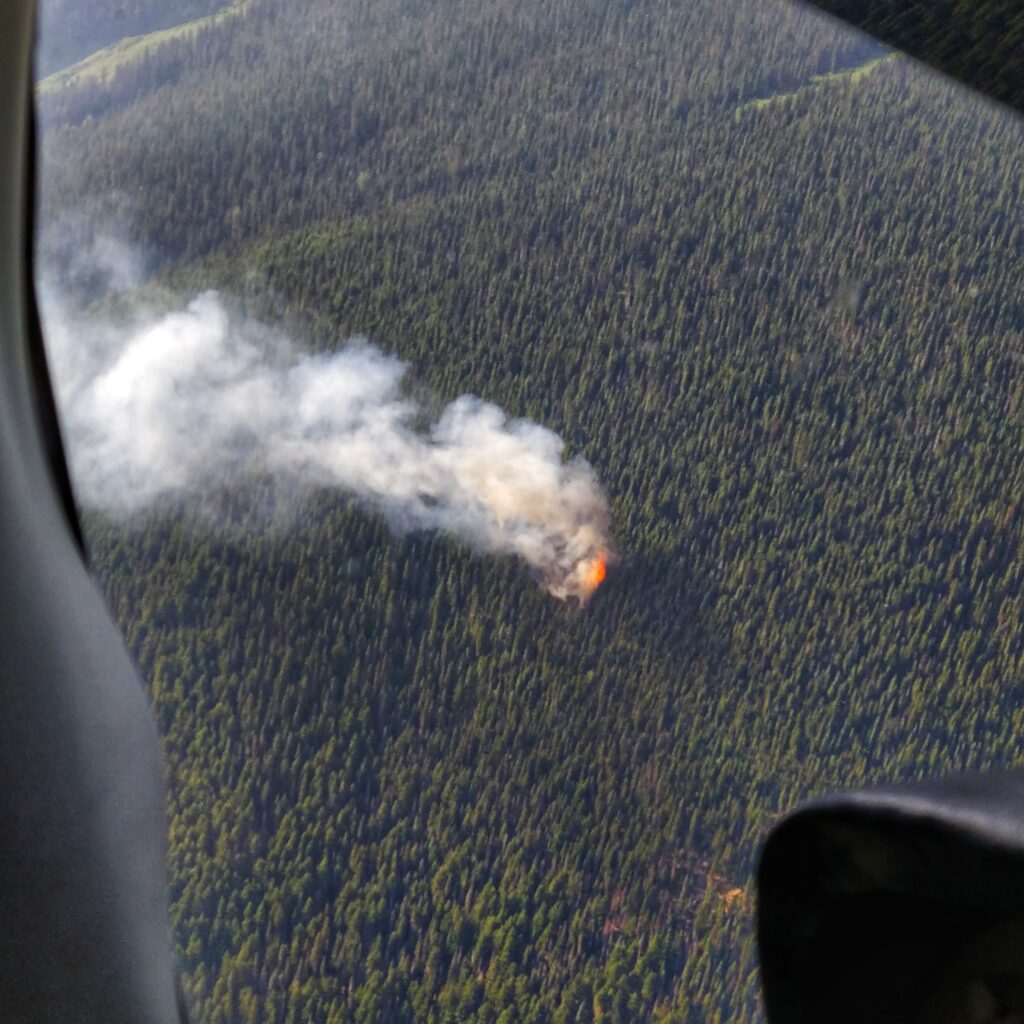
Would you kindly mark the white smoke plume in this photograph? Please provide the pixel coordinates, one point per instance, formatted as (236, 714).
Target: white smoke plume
(167, 404)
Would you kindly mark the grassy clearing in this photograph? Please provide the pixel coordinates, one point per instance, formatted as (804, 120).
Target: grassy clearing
(853, 75)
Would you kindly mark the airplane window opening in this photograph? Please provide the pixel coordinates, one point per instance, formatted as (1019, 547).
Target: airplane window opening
(528, 448)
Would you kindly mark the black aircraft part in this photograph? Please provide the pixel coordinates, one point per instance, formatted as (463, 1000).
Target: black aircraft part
(979, 42)
(84, 931)
(897, 906)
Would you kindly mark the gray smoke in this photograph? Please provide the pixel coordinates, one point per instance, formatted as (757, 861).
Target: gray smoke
(167, 404)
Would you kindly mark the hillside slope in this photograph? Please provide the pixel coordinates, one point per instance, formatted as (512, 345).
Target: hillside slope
(102, 66)
(70, 30)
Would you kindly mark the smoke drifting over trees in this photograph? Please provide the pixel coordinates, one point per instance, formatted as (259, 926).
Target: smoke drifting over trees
(175, 402)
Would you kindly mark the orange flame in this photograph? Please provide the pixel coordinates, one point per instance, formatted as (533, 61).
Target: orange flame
(595, 573)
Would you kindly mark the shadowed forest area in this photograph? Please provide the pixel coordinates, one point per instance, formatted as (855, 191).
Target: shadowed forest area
(406, 784)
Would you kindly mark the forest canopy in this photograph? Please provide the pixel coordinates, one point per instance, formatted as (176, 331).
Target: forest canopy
(764, 278)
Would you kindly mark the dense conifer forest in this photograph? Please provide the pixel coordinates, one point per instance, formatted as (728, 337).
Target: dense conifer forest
(766, 279)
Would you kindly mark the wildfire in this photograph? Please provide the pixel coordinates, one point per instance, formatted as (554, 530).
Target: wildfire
(579, 582)
(595, 572)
